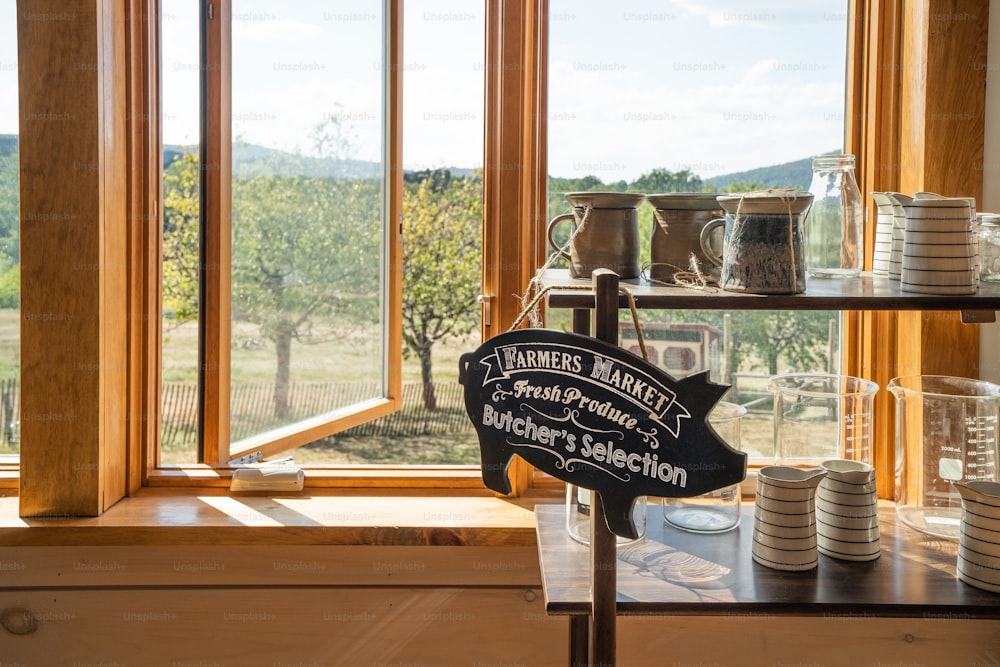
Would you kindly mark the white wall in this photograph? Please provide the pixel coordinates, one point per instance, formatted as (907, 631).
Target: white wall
(989, 334)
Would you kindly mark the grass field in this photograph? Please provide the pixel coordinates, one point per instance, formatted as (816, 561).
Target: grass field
(340, 360)
(347, 359)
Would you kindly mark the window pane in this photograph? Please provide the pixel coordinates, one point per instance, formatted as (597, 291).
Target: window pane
(10, 349)
(702, 95)
(307, 307)
(442, 237)
(180, 90)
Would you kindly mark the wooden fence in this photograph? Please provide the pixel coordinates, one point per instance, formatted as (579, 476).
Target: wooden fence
(252, 409)
(10, 410)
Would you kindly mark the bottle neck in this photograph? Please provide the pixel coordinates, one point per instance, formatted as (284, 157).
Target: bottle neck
(834, 163)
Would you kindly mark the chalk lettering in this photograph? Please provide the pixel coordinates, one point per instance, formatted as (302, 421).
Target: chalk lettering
(607, 452)
(524, 389)
(527, 428)
(608, 372)
(515, 359)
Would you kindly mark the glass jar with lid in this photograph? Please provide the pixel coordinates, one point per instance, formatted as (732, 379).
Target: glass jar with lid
(989, 247)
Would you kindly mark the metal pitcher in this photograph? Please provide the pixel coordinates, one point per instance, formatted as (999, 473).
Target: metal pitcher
(605, 233)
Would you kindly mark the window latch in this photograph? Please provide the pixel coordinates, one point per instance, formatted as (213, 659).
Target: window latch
(486, 301)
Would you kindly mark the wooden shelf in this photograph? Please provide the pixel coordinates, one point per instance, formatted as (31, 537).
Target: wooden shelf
(673, 572)
(867, 292)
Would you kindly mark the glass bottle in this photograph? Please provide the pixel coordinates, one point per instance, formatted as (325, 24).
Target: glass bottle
(989, 247)
(834, 226)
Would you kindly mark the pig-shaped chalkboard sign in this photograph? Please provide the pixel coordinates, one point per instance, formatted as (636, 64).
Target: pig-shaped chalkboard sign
(594, 415)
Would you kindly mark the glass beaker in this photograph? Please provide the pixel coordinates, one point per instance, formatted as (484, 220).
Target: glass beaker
(833, 228)
(819, 416)
(578, 500)
(946, 431)
(719, 510)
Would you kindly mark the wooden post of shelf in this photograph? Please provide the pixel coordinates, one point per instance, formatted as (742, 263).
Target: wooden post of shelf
(579, 626)
(603, 543)
(73, 256)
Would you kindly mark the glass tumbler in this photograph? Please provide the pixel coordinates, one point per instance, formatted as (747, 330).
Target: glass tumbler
(578, 501)
(719, 510)
(819, 416)
(946, 431)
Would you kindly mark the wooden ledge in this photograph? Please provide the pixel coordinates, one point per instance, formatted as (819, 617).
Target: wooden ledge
(216, 517)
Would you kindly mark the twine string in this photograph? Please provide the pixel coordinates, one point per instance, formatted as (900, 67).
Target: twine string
(531, 298)
(690, 276)
(635, 322)
(733, 233)
(534, 293)
(545, 290)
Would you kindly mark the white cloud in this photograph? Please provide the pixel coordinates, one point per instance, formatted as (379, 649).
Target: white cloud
(742, 14)
(274, 29)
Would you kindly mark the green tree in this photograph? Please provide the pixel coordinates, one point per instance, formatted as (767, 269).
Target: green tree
(771, 338)
(661, 180)
(559, 187)
(302, 267)
(304, 262)
(737, 185)
(795, 338)
(10, 287)
(9, 211)
(180, 239)
(442, 250)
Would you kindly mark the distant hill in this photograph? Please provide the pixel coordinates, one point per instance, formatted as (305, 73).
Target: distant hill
(251, 160)
(8, 144)
(797, 174)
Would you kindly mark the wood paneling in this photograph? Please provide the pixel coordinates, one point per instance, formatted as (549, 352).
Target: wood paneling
(916, 101)
(847, 640)
(433, 606)
(73, 260)
(452, 626)
(268, 604)
(253, 566)
(144, 189)
(286, 626)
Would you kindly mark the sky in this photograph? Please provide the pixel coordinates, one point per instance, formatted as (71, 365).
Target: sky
(714, 86)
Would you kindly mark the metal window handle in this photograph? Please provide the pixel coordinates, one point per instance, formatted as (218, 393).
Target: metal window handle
(486, 300)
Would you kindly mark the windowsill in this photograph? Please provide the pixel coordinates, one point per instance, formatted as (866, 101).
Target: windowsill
(212, 516)
(467, 478)
(188, 507)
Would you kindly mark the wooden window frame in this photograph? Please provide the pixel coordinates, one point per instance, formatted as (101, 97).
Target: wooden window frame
(916, 120)
(216, 196)
(90, 386)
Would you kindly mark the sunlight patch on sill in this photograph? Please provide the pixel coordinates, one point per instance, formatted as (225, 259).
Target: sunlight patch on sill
(238, 511)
